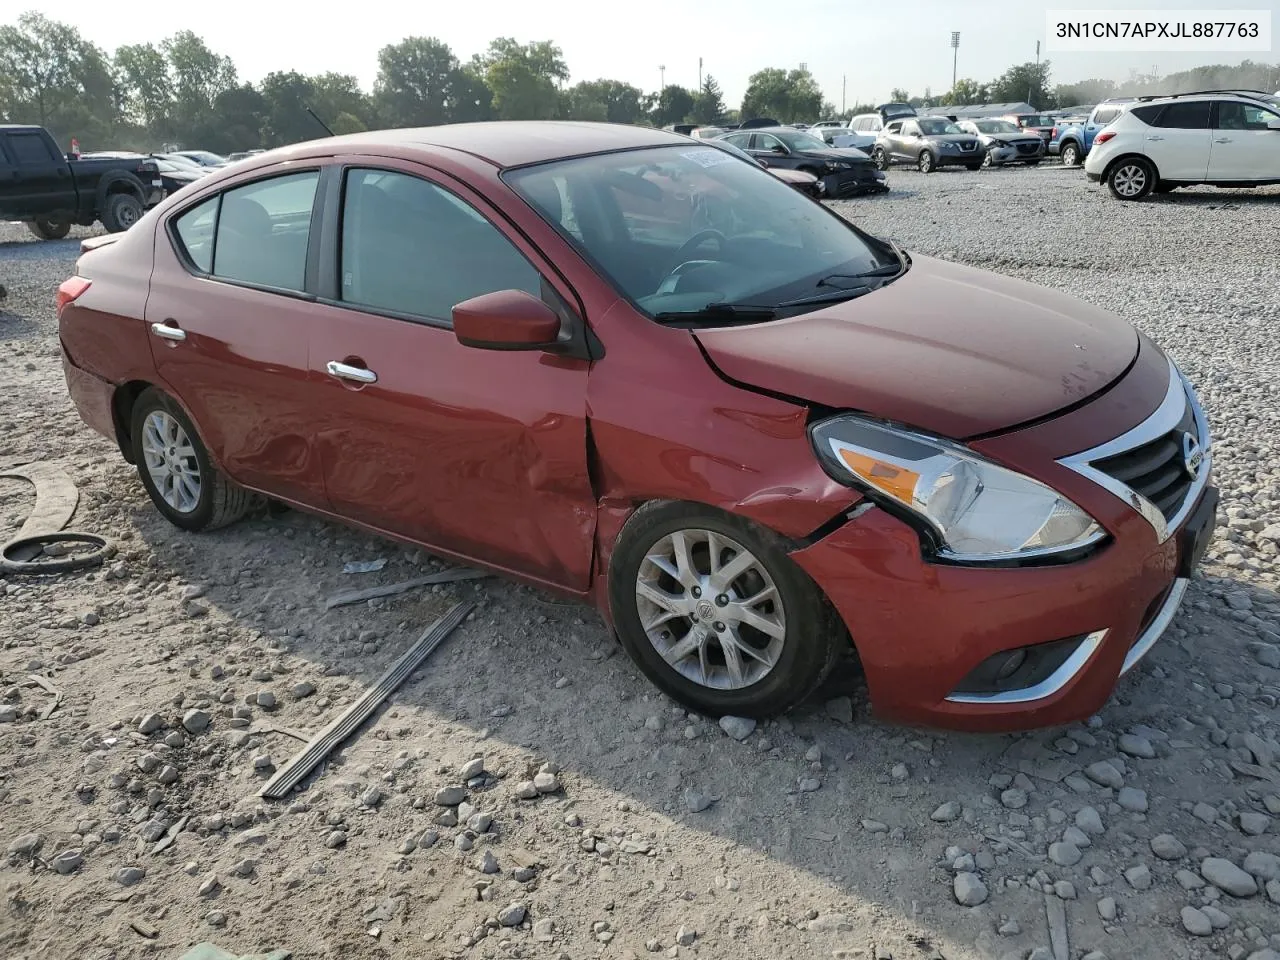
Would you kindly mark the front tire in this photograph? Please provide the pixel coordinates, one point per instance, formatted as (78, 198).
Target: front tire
(121, 212)
(176, 470)
(926, 162)
(1131, 178)
(49, 229)
(716, 614)
(1070, 155)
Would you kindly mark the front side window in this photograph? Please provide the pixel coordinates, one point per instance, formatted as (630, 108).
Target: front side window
(1185, 115)
(739, 140)
(800, 142)
(933, 126)
(263, 229)
(412, 248)
(766, 142)
(1234, 115)
(675, 229)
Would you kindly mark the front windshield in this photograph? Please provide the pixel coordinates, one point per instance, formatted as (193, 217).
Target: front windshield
(798, 140)
(997, 126)
(932, 126)
(678, 228)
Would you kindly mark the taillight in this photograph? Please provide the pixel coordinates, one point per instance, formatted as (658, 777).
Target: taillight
(1104, 136)
(1053, 134)
(71, 290)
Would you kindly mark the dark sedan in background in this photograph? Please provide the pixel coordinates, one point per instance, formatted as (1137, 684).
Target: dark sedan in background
(1004, 142)
(927, 142)
(844, 172)
(806, 183)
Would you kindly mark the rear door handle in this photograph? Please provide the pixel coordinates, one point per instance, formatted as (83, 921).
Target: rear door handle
(1155, 138)
(168, 331)
(344, 371)
(1222, 140)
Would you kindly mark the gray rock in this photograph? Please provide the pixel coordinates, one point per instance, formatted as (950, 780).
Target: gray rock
(488, 862)
(1168, 847)
(1196, 923)
(246, 867)
(1263, 865)
(513, 915)
(196, 721)
(1076, 837)
(1267, 654)
(1227, 877)
(544, 930)
(266, 699)
(1132, 799)
(463, 842)
(697, 802)
(68, 861)
(525, 790)
(1136, 746)
(685, 937)
(546, 782)
(301, 690)
(969, 889)
(428, 839)
(809, 785)
(8, 713)
(168, 774)
(26, 845)
(738, 727)
(372, 797)
(841, 709)
(1138, 877)
(1088, 820)
(1104, 774)
(1254, 824)
(1065, 889)
(1188, 880)
(1107, 909)
(450, 796)
(523, 874)
(151, 723)
(948, 812)
(1064, 854)
(262, 763)
(480, 822)
(472, 768)
(1204, 812)
(128, 876)
(1013, 798)
(209, 885)
(336, 839)
(1216, 917)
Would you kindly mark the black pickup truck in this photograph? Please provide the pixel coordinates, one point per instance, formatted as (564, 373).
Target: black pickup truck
(50, 192)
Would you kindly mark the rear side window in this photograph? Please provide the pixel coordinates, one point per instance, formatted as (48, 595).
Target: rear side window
(410, 247)
(29, 148)
(1185, 115)
(195, 232)
(1106, 115)
(263, 229)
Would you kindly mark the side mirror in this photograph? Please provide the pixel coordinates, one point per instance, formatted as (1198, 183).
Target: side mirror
(777, 148)
(505, 320)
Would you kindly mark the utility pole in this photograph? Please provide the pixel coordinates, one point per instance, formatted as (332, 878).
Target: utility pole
(955, 55)
(699, 74)
(662, 78)
(844, 85)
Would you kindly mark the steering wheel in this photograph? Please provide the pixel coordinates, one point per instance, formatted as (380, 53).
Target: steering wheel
(697, 240)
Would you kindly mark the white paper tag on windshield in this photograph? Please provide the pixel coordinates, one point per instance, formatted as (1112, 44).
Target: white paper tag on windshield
(708, 156)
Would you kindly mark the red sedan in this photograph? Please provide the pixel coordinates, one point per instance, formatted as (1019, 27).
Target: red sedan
(638, 371)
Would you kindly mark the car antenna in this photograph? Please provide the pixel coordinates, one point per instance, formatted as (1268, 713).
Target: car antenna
(318, 120)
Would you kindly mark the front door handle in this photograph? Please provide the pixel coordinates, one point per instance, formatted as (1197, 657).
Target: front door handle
(344, 371)
(1222, 140)
(168, 331)
(1155, 138)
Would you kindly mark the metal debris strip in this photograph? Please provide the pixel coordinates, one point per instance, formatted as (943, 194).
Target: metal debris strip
(39, 681)
(392, 589)
(343, 726)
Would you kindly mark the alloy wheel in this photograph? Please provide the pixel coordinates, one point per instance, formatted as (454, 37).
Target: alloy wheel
(170, 459)
(925, 162)
(1130, 180)
(711, 609)
(1069, 156)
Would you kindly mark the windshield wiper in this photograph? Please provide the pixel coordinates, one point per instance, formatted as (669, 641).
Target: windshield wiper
(890, 271)
(835, 296)
(721, 312)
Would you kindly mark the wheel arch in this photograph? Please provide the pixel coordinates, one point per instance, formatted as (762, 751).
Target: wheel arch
(1131, 155)
(122, 403)
(120, 182)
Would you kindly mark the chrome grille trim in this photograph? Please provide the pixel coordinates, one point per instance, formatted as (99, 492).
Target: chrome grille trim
(1166, 417)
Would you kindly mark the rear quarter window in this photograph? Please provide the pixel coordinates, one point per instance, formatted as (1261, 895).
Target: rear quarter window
(195, 230)
(1103, 117)
(1147, 113)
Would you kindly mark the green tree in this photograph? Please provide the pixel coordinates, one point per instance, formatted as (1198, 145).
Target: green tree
(1024, 81)
(673, 105)
(898, 95)
(40, 58)
(965, 92)
(347, 123)
(333, 94)
(200, 76)
(708, 105)
(786, 96)
(523, 78)
(421, 83)
(235, 123)
(620, 102)
(143, 73)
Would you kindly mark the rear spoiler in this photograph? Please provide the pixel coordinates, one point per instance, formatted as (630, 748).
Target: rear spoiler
(93, 243)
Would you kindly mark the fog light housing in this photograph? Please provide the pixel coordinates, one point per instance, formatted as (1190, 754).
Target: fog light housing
(1026, 673)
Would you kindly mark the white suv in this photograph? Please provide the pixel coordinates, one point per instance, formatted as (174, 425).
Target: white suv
(1220, 139)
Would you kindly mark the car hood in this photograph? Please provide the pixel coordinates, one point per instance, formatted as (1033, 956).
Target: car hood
(948, 349)
(951, 137)
(835, 153)
(793, 176)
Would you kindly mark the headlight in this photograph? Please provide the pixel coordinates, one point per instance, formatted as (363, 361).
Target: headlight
(837, 165)
(978, 511)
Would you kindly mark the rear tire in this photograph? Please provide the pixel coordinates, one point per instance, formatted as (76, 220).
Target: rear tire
(926, 162)
(176, 470)
(1070, 155)
(1131, 178)
(880, 158)
(121, 212)
(773, 675)
(49, 229)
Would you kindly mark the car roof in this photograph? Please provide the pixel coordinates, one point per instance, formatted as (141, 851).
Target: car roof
(513, 143)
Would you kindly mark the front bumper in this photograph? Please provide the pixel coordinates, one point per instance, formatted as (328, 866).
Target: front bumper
(852, 183)
(923, 628)
(958, 158)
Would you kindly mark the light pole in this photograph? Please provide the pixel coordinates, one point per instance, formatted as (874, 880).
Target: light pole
(699, 74)
(955, 55)
(844, 86)
(662, 78)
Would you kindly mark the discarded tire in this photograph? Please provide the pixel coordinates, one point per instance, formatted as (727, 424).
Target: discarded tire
(102, 549)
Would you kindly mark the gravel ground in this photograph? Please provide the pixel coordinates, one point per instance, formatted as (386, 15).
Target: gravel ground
(1150, 832)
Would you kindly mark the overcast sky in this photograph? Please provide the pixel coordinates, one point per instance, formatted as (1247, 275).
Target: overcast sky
(876, 45)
